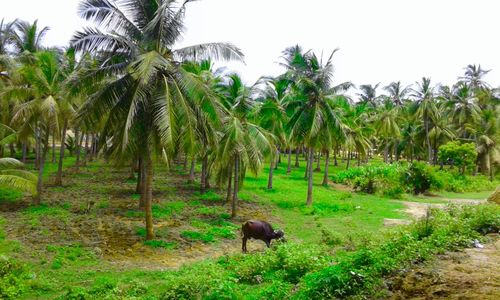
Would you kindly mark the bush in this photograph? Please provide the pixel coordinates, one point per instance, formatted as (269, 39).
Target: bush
(13, 277)
(381, 179)
(419, 177)
(362, 270)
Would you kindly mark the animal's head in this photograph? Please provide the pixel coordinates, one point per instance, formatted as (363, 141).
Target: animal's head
(279, 234)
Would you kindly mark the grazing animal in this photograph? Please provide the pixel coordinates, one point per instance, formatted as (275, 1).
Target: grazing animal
(259, 230)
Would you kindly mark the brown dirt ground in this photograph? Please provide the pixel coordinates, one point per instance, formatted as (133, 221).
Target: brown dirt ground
(471, 274)
(110, 233)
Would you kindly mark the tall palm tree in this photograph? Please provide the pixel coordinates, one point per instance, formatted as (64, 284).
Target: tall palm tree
(272, 116)
(135, 41)
(13, 175)
(242, 144)
(38, 114)
(397, 93)
(424, 94)
(473, 77)
(463, 108)
(369, 94)
(387, 125)
(314, 116)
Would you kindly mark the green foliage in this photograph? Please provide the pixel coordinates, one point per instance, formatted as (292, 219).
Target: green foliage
(419, 177)
(68, 254)
(379, 179)
(13, 278)
(9, 194)
(456, 182)
(198, 236)
(210, 196)
(355, 271)
(461, 155)
(160, 244)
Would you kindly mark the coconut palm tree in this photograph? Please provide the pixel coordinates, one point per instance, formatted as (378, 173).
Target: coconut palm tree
(397, 93)
(271, 115)
(243, 144)
(12, 175)
(369, 94)
(314, 116)
(488, 141)
(40, 90)
(387, 126)
(135, 40)
(463, 108)
(425, 101)
(473, 77)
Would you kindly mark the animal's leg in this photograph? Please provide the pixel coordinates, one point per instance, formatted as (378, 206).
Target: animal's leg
(244, 244)
(268, 243)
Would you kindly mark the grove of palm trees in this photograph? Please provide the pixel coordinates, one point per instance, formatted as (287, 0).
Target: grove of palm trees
(128, 165)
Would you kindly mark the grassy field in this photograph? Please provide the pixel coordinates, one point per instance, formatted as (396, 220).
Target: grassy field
(89, 233)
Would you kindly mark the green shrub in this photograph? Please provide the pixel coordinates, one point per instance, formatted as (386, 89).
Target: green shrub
(362, 270)
(419, 177)
(198, 236)
(160, 244)
(13, 278)
(380, 179)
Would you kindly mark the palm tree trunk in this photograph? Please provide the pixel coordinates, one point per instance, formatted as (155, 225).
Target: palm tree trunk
(335, 162)
(61, 154)
(396, 151)
(203, 182)
(427, 140)
(229, 181)
(310, 159)
(37, 147)
(139, 188)
(359, 159)
(278, 159)
(54, 146)
(91, 148)
(12, 150)
(348, 159)
(78, 142)
(39, 184)
(271, 170)
(236, 185)
(289, 168)
(25, 152)
(86, 150)
(148, 199)
(185, 167)
(191, 171)
(297, 160)
(491, 165)
(386, 152)
(325, 176)
(318, 164)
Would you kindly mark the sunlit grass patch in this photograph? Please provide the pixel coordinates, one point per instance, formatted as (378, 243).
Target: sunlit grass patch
(160, 244)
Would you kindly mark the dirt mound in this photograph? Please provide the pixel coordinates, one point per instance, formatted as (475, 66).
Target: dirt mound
(495, 197)
(472, 274)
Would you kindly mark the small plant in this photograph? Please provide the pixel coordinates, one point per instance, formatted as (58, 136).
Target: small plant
(198, 236)
(160, 244)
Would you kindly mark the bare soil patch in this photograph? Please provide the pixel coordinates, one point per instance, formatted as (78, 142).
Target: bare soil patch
(471, 274)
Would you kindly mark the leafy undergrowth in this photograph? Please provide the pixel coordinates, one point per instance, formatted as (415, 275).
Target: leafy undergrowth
(288, 271)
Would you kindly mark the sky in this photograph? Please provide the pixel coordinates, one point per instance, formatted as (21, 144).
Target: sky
(379, 41)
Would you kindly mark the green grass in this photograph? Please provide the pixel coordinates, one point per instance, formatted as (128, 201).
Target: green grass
(204, 237)
(337, 218)
(339, 211)
(160, 244)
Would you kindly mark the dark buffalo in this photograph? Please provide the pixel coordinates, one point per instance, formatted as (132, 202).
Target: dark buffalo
(259, 230)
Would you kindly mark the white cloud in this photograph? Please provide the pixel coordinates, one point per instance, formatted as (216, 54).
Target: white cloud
(379, 41)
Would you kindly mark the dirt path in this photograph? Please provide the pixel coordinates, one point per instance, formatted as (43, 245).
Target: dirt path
(417, 210)
(472, 274)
